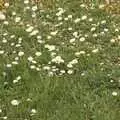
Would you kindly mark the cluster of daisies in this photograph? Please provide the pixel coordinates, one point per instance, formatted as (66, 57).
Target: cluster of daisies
(53, 45)
(13, 45)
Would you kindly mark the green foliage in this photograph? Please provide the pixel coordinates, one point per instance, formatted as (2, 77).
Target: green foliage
(47, 90)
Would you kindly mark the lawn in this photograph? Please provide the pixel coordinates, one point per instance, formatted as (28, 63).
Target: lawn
(59, 60)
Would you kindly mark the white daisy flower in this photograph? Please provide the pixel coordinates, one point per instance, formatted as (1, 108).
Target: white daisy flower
(30, 58)
(0, 110)
(29, 29)
(70, 72)
(34, 8)
(114, 93)
(54, 33)
(82, 39)
(26, 1)
(95, 50)
(33, 111)
(8, 65)
(17, 19)
(77, 20)
(2, 16)
(2, 52)
(38, 54)
(84, 17)
(20, 53)
(58, 59)
(6, 4)
(15, 102)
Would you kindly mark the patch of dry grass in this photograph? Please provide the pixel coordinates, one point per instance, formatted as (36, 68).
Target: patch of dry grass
(45, 3)
(1, 4)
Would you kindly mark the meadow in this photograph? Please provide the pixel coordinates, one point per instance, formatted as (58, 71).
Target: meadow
(59, 60)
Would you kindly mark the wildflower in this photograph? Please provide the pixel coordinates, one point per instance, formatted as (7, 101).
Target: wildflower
(18, 78)
(101, 6)
(69, 65)
(39, 37)
(46, 68)
(61, 11)
(105, 29)
(70, 16)
(26, 1)
(114, 93)
(17, 45)
(38, 53)
(0, 110)
(95, 35)
(37, 68)
(58, 60)
(119, 37)
(82, 39)
(15, 102)
(53, 54)
(82, 5)
(70, 28)
(12, 36)
(9, 65)
(17, 19)
(13, 13)
(29, 99)
(32, 66)
(33, 15)
(50, 47)
(70, 72)
(82, 52)
(29, 29)
(62, 71)
(90, 19)
(4, 41)
(28, 8)
(72, 40)
(116, 30)
(16, 58)
(5, 117)
(66, 19)
(1, 52)
(103, 21)
(14, 62)
(34, 32)
(59, 18)
(95, 51)
(93, 29)
(77, 20)
(50, 73)
(83, 74)
(40, 41)
(112, 40)
(15, 81)
(84, 17)
(6, 23)
(34, 8)
(49, 37)
(75, 34)
(30, 59)
(20, 53)
(6, 4)
(34, 62)
(33, 111)
(2, 16)
(54, 33)
(74, 61)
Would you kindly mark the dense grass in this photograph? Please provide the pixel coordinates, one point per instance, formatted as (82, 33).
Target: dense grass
(82, 83)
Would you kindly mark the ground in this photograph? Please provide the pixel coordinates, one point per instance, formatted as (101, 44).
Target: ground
(59, 60)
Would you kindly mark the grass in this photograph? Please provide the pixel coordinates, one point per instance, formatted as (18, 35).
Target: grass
(55, 66)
